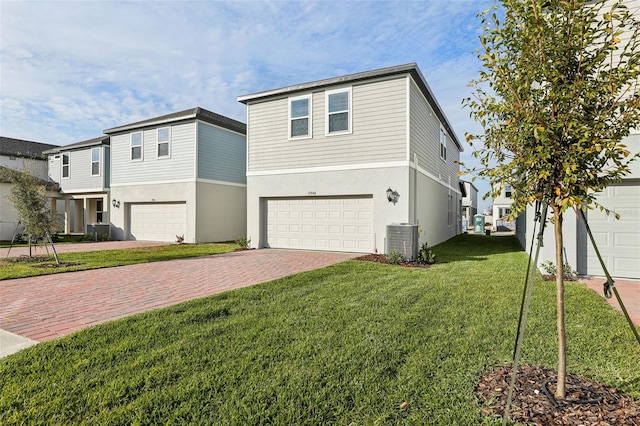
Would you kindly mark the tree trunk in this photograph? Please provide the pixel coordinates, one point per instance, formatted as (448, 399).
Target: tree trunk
(562, 343)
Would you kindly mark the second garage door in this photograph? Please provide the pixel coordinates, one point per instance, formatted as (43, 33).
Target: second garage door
(618, 240)
(321, 223)
(157, 221)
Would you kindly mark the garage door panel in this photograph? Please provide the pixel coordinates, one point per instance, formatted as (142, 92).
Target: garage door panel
(318, 223)
(618, 240)
(157, 221)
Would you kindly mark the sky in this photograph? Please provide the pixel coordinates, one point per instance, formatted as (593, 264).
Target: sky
(70, 69)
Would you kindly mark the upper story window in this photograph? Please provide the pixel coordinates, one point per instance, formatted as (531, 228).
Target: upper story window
(338, 105)
(443, 144)
(164, 136)
(136, 146)
(300, 117)
(65, 165)
(95, 161)
(507, 191)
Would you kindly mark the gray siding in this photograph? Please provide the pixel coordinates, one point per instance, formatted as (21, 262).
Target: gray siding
(378, 130)
(80, 178)
(425, 140)
(179, 166)
(221, 154)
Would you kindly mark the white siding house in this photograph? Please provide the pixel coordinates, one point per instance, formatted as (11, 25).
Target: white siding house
(469, 202)
(179, 175)
(18, 154)
(321, 157)
(82, 173)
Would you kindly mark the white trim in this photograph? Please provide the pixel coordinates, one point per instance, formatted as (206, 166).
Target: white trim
(141, 146)
(220, 182)
(196, 148)
(168, 142)
(62, 165)
(178, 181)
(349, 111)
(88, 192)
(100, 155)
(443, 132)
(309, 116)
(330, 168)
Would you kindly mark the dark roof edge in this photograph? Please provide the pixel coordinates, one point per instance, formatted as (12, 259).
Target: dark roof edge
(189, 114)
(410, 68)
(101, 140)
(22, 148)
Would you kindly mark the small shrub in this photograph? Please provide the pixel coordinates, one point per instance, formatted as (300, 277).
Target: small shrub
(179, 239)
(550, 268)
(243, 242)
(395, 257)
(425, 255)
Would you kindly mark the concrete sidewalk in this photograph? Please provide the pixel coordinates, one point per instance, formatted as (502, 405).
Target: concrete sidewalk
(47, 307)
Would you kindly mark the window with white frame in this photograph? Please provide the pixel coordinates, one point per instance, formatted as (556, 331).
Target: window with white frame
(136, 146)
(95, 161)
(163, 137)
(507, 191)
(443, 144)
(338, 107)
(65, 165)
(300, 117)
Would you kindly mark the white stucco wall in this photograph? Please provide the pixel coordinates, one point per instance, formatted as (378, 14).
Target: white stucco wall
(221, 212)
(374, 181)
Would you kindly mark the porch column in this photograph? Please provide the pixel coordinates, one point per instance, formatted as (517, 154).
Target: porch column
(67, 216)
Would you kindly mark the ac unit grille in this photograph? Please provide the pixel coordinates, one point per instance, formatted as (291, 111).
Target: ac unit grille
(403, 237)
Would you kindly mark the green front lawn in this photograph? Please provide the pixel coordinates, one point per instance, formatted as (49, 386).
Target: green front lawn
(10, 268)
(354, 343)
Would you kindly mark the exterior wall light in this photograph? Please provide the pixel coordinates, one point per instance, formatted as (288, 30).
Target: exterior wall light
(392, 196)
(115, 203)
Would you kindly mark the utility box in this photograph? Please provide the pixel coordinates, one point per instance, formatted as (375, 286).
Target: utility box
(478, 224)
(403, 237)
(99, 229)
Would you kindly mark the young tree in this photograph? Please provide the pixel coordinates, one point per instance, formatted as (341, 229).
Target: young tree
(29, 197)
(556, 94)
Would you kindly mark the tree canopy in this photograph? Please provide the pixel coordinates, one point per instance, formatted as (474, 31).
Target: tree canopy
(557, 93)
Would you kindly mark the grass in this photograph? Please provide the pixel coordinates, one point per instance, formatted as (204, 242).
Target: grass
(347, 344)
(108, 258)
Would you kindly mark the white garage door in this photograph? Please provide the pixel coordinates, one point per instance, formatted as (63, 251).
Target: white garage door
(319, 223)
(618, 240)
(157, 221)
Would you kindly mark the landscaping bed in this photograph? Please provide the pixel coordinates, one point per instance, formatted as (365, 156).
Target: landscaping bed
(381, 258)
(587, 402)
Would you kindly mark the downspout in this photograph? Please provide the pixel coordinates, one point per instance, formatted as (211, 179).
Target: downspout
(415, 188)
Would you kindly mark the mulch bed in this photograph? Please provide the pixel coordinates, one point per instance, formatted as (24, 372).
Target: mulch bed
(587, 402)
(381, 258)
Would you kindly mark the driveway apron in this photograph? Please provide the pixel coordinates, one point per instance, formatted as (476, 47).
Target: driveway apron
(46, 307)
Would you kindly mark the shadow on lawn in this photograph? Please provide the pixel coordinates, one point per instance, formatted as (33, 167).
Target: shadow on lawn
(475, 247)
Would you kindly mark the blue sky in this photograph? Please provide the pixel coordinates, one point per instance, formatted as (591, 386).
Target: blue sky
(69, 70)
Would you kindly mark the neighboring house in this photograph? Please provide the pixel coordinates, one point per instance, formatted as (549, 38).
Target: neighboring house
(82, 173)
(18, 154)
(332, 162)
(618, 240)
(502, 208)
(469, 202)
(179, 175)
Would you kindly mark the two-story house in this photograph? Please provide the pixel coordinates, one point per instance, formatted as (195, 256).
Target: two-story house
(502, 208)
(18, 154)
(469, 202)
(179, 175)
(331, 163)
(82, 172)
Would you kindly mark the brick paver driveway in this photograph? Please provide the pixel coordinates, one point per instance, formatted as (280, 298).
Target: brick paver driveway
(47, 307)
